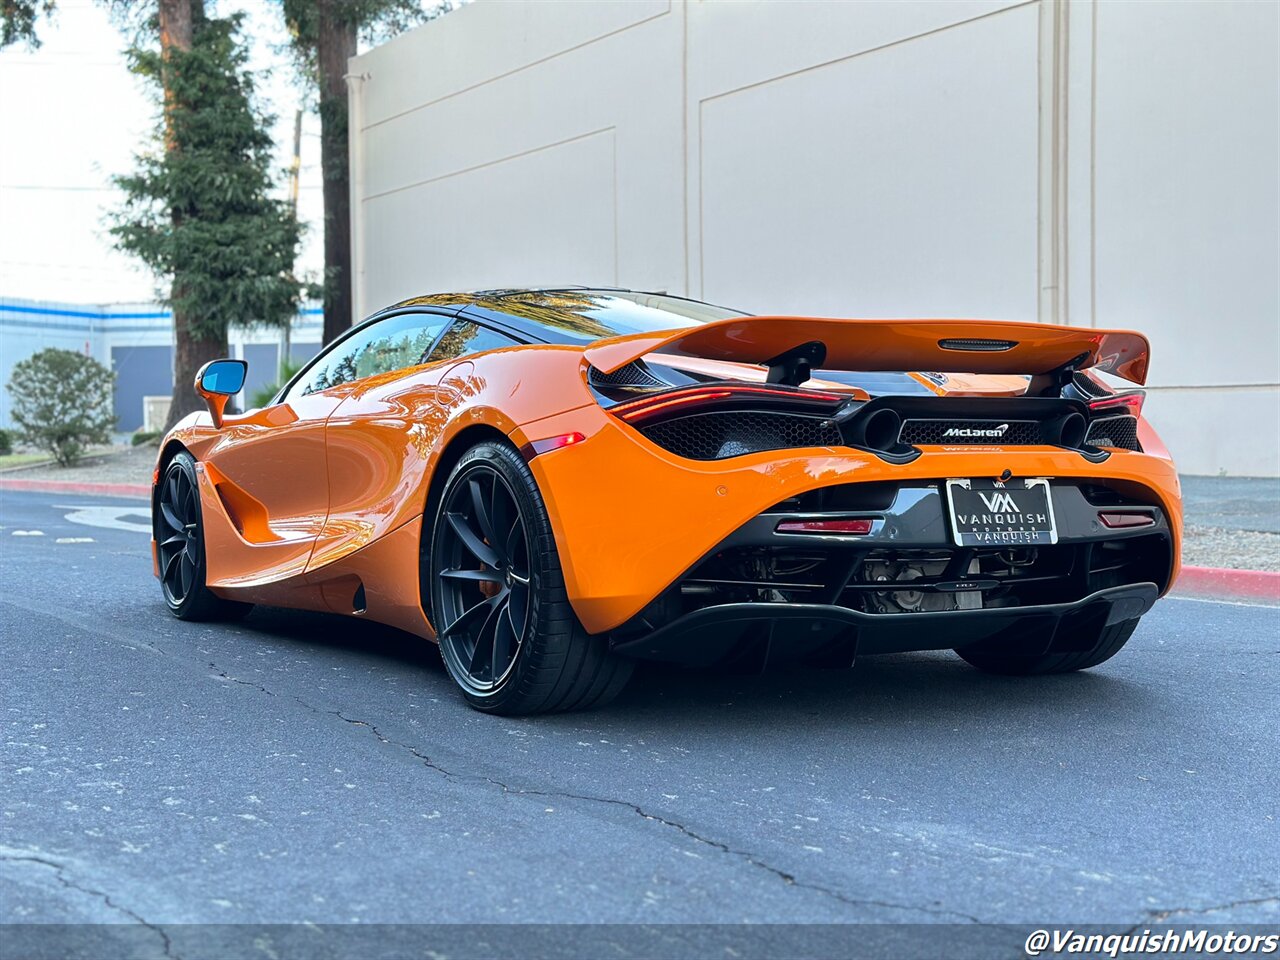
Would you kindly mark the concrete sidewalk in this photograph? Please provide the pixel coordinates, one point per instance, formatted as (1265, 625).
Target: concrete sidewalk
(1231, 522)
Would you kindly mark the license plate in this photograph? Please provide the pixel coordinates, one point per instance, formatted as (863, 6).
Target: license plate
(986, 513)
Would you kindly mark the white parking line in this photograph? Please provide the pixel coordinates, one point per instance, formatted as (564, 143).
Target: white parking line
(1230, 603)
(110, 518)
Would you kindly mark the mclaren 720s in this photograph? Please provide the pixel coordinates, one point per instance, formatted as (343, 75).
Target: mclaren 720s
(554, 483)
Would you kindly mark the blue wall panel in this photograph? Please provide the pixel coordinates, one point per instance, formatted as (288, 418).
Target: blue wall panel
(140, 372)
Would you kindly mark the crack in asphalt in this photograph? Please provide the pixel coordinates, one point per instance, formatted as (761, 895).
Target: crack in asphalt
(60, 873)
(747, 857)
(1160, 916)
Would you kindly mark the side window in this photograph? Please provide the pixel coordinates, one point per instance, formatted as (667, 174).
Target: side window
(466, 337)
(390, 344)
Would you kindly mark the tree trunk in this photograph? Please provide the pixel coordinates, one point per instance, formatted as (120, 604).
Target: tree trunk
(335, 45)
(189, 355)
(177, 26)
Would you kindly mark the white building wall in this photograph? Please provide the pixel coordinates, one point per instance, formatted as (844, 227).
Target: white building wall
(1109, 164)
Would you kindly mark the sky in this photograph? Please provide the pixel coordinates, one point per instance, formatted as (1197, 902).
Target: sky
(72, 115)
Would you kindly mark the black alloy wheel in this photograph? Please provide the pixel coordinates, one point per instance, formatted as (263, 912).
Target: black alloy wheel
(508, 634)
(178, 535)
(177, 523)
(484, 593)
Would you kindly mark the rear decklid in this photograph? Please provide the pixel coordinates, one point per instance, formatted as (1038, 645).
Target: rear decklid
(960, 346)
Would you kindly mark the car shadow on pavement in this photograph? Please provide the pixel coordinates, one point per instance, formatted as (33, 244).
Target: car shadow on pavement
(329, 630)
(931, 687)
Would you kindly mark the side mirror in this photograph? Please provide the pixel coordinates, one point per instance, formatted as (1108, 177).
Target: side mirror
(217, 381)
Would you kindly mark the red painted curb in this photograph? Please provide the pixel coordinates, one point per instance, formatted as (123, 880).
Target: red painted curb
(1218, 582)
(73, 486)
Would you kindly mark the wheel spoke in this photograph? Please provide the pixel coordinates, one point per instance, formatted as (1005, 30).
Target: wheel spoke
(477, 547)
(484, 576)
(471, 615)
(513, 541)
(171, 565)
(482, 655)
(481, 514)
(503, 641)
(518, 607)
(176, 540)
(171, 518)
(189, 498)
(188, 571)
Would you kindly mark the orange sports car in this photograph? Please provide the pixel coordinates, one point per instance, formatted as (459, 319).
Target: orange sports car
(552, 483)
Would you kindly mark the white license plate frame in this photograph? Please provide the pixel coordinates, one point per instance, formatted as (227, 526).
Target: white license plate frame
(998, 520)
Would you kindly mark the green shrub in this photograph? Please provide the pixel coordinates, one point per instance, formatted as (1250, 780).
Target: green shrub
(264, 395)
(6, 443)
(62, 402)
(139, 437)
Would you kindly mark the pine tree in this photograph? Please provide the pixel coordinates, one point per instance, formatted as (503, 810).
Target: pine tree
(18, 21)
(198, 208)
(324, 34)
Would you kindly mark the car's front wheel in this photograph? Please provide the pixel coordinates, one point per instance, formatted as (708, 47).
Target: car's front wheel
(507, 634)
(178, 524)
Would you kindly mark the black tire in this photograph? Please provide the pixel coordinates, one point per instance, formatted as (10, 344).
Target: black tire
(178, 524)
(1108, 643)
(508, 635)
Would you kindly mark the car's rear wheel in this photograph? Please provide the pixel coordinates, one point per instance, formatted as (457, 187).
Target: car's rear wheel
(1079, 651)
(179, 531)
(507, 634)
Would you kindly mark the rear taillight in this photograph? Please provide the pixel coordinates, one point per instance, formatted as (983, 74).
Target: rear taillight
(679, 401)
(1122, 404)
(854, 526)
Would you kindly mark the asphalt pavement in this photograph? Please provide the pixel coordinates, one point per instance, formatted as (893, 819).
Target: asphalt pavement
(306, 769)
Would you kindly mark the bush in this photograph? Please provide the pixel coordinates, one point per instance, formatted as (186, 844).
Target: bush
(139, 437)
(62, 402)
(6, 443)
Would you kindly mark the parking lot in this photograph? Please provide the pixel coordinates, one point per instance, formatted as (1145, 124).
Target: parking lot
(299, 768)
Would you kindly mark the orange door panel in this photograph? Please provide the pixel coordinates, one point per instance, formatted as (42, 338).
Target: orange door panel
(379, 441)
(271, 477)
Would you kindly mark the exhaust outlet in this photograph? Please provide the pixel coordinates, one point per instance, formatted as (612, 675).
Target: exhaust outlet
(879, 431)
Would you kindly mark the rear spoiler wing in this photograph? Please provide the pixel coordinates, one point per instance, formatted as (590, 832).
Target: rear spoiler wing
(952, 346)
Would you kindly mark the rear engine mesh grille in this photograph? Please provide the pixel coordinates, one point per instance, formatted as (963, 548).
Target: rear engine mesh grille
(1119, 432)
(985, 432)
(723, 434)
(717, 436)
(632, 374)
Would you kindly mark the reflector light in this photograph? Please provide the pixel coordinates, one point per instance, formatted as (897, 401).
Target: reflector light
(1125, 403)
(645, 407)
(1119, 520)
(858, 526)
(556, 443)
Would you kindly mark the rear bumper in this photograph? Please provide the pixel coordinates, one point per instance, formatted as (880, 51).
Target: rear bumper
(784, 631)
(630, 518)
